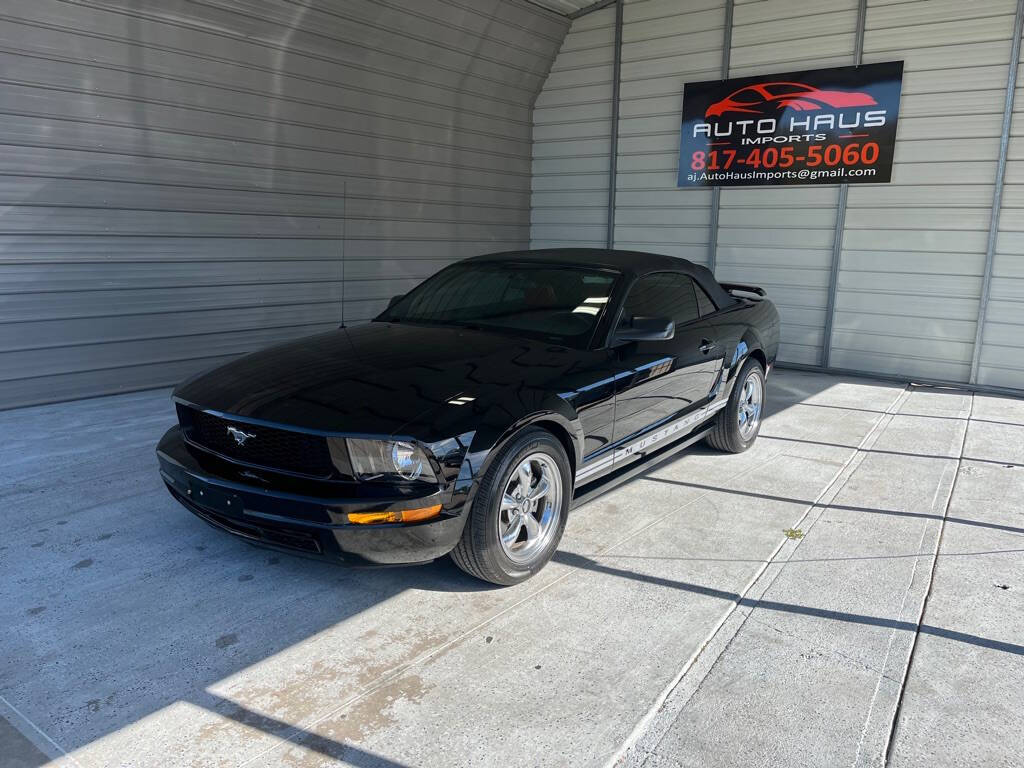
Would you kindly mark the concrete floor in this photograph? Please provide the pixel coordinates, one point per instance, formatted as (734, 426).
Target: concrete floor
(678, 624)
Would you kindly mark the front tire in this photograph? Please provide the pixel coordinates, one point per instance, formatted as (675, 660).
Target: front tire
(738, 424)
(519, 512)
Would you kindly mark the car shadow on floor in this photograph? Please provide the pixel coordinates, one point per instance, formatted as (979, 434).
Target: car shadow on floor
(91, 644)
(587, 563)
(176, 608)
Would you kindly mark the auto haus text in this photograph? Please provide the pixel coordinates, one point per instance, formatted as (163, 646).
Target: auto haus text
(799, 129)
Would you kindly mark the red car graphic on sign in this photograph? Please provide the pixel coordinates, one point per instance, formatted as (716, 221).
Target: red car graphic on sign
(771, 98)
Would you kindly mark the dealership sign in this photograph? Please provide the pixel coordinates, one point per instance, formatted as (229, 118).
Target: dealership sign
(820, 126)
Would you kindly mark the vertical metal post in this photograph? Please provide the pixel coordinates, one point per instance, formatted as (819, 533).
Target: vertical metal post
(997, 195)
(586, 10)
(833, 278)
(614, 143)
(858, 43)
(344, 220)
(716, 191)
(844, 193)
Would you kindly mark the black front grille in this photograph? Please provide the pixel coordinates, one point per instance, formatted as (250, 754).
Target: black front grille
(294, 452)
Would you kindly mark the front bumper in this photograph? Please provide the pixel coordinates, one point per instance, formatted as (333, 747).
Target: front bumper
(307, 525)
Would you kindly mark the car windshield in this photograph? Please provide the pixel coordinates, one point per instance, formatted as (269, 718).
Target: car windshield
(558, 303)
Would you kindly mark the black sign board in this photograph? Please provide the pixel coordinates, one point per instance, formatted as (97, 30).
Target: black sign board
(820, 126)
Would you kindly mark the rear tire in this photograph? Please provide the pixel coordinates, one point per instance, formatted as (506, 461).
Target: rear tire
(737, 425)
(519, 511)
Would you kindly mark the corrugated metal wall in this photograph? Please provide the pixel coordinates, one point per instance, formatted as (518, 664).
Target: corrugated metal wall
(912, 257)
(571, 134)
(914, 250)
(781, 238)
(1002, 351)
(184, 181)
(659, 46)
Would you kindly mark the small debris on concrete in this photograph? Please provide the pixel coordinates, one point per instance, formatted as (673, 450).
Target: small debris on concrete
(793, 533)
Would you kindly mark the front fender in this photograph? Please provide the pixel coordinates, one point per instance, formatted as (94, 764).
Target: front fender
(500, 424)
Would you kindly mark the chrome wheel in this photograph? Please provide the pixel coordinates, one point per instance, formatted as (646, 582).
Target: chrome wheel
(749, 405)
(531, 505)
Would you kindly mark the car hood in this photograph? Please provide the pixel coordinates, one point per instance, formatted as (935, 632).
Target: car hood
(375, 378)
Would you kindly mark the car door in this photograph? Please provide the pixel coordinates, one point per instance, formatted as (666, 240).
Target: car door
(663, 380)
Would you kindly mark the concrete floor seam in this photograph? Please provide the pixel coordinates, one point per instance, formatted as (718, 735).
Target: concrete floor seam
(101, 661)
(839, 654)
(859, 758)
(630, 747)
(745, 613)
(839, 482)
(894, 725)
(863, 450)
(38, 736)
(888, 654)
(398, 672)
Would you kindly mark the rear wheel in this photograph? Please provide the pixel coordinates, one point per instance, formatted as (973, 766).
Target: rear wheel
(737, 425)
(519, 512)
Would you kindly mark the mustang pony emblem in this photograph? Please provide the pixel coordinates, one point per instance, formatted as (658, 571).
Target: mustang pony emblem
(239, 435)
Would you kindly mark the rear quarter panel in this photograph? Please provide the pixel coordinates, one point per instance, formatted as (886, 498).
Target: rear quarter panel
(747, 326)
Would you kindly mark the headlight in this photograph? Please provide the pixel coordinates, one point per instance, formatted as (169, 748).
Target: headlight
(389, 460)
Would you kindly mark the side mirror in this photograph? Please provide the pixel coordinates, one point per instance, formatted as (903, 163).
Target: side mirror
(647, 329)
(395, 299)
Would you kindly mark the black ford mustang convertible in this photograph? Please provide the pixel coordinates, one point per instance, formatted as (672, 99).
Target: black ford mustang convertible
(474, 411)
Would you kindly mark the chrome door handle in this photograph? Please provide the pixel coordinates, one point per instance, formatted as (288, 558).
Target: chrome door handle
(706, 345)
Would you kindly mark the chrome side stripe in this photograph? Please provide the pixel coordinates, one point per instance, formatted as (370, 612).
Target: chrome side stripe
(605, 462)
(672, 429)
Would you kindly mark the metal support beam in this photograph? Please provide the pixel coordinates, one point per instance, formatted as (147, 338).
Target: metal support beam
(844, 194)
(716, 192)
(613, 152)
(997, 195)
(587, 9)
(344, 233)
(833, 278)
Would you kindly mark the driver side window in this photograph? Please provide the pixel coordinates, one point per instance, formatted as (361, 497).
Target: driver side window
(664, 294)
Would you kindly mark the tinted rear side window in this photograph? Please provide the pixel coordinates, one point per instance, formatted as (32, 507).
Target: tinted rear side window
(704, 302)
(665, 294)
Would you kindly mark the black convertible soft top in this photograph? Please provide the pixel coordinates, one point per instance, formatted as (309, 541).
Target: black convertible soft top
(629, 263)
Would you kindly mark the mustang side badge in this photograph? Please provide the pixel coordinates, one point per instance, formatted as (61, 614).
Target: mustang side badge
(239, 435)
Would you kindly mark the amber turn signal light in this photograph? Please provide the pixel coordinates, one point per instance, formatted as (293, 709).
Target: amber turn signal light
(395, 516)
